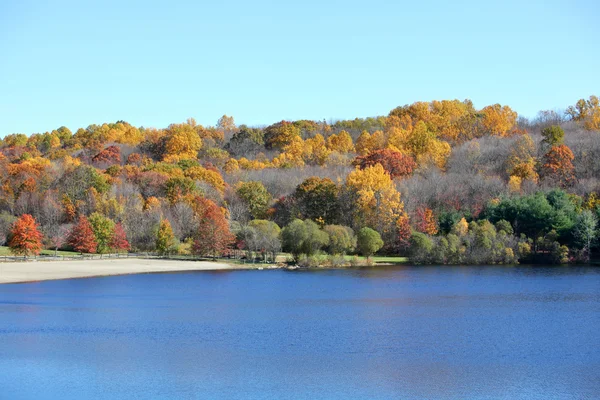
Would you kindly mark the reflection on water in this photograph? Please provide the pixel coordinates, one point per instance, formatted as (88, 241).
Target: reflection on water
(388, 333)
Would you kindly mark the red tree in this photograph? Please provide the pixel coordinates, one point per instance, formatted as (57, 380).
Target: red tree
(403, 232)
(25, 239)
(213, 236)
(109, 156)
(82, 237)
(558, 165)
(118, 240)
(395, 163)
(425, 221)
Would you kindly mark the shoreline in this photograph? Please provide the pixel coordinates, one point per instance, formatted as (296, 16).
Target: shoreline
(37, 271)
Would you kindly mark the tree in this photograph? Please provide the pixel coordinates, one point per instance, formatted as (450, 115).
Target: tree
(213, 236)
(342, 142)
(403, 232)
(587, 112)
(280, 134)
(374, 197)
(182, 142)
(421, 247)
(553, 135)
(118, 240)
(425, 221)
(265, 237)
(317, 199)
(341, 239)
(26, 238)
(103, 228)
(256, 197)
(498, 120)
(395, 163)
(585, 231)
(59, 237)
(558, 165)
(368, 242)
(165, 239)
(303, 237)
(82, 237)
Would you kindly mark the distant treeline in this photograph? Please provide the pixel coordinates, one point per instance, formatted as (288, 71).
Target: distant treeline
(440, 181)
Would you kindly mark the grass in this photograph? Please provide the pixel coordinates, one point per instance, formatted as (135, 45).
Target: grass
(5, 251)
(383, 259)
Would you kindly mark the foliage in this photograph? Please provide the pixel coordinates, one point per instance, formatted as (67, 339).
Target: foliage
(25, 237)
(368, 241)
(558, 165)
(395, 163)
(165, 239)
(213, 236)
(317, 199)
(82, 238)
(341, 239)
(118, 241)
(103, 229)
(303, 237)
(256, 197)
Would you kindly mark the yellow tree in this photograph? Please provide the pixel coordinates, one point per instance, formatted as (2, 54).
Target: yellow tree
(342, 142)
(498, 120)
(586, 111)
(522, 163)
(377, 201)
(182, 143)
(363, 144)
(315, 150)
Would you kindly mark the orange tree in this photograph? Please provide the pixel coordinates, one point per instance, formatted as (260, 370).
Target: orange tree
(25, 239)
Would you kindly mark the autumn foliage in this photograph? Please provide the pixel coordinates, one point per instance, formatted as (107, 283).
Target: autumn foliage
(82, 237)
(558, 165)
(393, 162)
(25, 239)
(213, 236)
(118, 241)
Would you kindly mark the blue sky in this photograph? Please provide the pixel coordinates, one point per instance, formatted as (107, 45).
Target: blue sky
(152, 63)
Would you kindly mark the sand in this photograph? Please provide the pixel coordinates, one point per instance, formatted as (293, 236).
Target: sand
(32, 271)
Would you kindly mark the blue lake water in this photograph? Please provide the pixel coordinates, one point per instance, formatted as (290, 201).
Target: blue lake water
(401, 333)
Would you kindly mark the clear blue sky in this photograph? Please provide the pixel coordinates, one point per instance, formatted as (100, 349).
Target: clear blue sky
(76, 62)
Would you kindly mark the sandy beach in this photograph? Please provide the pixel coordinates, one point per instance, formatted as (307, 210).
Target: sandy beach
(31, 271)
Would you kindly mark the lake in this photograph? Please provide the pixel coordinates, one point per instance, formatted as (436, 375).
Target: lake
(387, 333)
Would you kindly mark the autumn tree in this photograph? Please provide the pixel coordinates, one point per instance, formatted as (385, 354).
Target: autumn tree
(82, 238)
(395, 163)
(498, 120)
(280, 134)
(558, 165)
(255, 196)
(181, 142)
(374, 197)
(403, 232)
(118, 241)
(317, 199)
(425, 221)
(341, 142)
(165, 239)
(586, 112)
(213, 236)
(103, 228)
(25, 237)
(522, 162)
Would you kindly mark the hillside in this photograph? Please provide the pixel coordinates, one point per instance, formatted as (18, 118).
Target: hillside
(440, 181)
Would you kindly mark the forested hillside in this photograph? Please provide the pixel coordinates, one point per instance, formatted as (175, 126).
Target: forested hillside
(440, 181)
